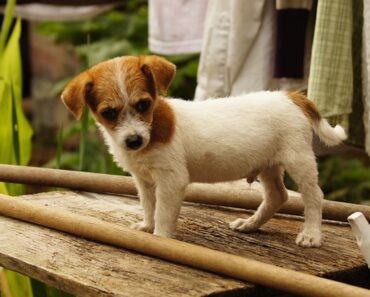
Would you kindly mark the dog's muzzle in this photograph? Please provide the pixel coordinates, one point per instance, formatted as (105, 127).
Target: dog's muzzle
(133, 142)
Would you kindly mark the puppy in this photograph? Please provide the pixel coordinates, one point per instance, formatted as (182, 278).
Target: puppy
(167, 144)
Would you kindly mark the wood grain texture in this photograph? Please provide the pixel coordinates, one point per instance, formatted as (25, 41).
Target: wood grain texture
(86, 268)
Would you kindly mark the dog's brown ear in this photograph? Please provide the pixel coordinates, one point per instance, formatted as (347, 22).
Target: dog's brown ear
(160, 71)
(74, 94)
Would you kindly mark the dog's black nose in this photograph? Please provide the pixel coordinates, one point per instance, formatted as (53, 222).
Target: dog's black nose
(134, 141)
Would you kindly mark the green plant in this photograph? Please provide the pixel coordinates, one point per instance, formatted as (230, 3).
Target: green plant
(15, 131)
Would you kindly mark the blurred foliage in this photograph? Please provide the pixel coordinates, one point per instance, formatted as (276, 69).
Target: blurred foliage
(96, 156)
(341, 179)
(123, 31)
(345, 180)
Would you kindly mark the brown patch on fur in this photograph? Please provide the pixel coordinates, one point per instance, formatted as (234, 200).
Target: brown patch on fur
(75, 92)
(159, 70)
(136, 83)
(163, 125)
(308, 107)
(107, 92)
(101, 88)
(151, 83)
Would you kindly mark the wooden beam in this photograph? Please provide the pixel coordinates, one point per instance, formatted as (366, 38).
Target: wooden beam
(178, 251)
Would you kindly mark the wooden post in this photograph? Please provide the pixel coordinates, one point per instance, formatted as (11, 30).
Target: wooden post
(178, 251)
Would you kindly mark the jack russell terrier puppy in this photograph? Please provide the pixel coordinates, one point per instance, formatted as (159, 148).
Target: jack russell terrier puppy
(168, 143)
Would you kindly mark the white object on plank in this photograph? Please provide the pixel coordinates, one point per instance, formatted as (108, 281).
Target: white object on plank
(361, 230)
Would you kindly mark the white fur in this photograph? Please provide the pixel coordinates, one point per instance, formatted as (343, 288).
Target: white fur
(227, 139)
(329, 135)
(120, 78)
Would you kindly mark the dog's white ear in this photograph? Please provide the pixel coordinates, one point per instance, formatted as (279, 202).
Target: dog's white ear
(74, 94)
(159, 70)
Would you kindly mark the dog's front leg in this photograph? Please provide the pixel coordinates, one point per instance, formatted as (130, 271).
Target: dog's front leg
(169, 195)
(147, 200)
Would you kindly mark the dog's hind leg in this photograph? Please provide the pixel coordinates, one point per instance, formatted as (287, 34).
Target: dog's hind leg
(274, 195)
(303, 170)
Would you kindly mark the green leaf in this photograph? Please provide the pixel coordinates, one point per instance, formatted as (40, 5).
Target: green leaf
(6, 130)
(3, 189)
(19, 285)
(7, 23)
(83, 138)
(15, 131)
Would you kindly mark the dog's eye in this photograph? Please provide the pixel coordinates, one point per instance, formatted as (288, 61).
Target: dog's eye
(110, 114)
(142, 105)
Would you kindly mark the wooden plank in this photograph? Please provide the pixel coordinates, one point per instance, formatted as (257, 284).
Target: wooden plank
(89, 269)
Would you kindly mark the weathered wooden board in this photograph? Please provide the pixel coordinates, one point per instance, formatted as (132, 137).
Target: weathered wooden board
(87, 268)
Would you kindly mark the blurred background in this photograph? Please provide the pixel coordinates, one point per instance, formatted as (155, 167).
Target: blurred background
(41, 51)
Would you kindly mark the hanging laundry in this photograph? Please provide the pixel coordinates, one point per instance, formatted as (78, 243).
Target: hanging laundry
(49, 12)
(335, 72)
(176, 27)
(237, 53)
(330, 83)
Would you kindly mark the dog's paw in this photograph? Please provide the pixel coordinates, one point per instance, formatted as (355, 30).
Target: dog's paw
(244, 225)
(309, 238)
(141, 226)
(164, 233)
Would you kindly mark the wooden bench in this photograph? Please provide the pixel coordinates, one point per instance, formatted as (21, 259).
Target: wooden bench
(86, 268)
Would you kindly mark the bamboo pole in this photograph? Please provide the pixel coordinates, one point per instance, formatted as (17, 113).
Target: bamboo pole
(177, 251)
(77, 180)
(237, 194)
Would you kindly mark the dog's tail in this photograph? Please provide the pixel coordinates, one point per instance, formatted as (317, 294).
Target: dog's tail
(327, 134)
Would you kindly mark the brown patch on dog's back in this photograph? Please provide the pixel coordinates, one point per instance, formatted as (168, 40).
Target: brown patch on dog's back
(308, 107)
(163, 125)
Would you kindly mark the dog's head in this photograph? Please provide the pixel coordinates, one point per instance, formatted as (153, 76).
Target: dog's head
(122, 94)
